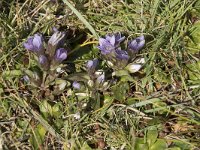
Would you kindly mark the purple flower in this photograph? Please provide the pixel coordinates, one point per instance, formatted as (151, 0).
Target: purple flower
(56, 38)
(26, 78)
(108, 44)
(76, 85)
(101, 79)
(115, 39)
(91, 65)
(136, 44)
(105, 46)
(55, 29)
(61, 54)
(122, 55)
(43, 60)
(34, 44)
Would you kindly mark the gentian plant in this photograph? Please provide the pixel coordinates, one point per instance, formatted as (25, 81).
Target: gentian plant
(122, 61)
(49, 56)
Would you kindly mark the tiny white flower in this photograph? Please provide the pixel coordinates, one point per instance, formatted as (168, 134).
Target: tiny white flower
(59, 70)
(77, 116)
(84, 104)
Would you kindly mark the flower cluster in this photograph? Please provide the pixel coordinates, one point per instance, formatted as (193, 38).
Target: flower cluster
(52, 55)
(96, 77)
(110, 48)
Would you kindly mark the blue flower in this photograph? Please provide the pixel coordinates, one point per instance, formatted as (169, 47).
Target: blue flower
(34, 44)
(100, 79)
(121, 54)
(56, 39)
(105, 46)
(76, 85)
(26, 78)
(60, 55)
(91, 65)
(108, 44)
(115, 39)
(43, 61)
(135, 45)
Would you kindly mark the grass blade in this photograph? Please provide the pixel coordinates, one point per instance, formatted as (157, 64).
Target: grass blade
(78, 14)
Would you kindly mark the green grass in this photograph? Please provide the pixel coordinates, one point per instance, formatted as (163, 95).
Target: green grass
(162, 103)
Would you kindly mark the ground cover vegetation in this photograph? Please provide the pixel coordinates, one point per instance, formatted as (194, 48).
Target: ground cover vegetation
(100, 74)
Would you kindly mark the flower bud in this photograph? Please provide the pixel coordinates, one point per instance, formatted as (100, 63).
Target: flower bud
(77, 116)
(44, 62)
(91, 65)
(26, 78)
(122, 55)
(135, 45)
(56, 40)
(132, 68)
(76, 85)
(101, 79)
(61, 54)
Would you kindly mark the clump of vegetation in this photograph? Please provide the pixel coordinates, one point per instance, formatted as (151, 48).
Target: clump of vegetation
(99, 75)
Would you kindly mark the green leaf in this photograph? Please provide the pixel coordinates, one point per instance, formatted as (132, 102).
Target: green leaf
(145, 102)
(78, 14)
(159, 144)
(152, 135)
(124, 74)
(108, 101)
(45, 108)
(194, 71)
(161, 105)
(161, 76)
(120, 73)
(38, 136)
(182, 144)
(120, 90)
(59, 123)
(12, 73)
(174, 148)
(57, 110)
(194, 41)
(78, 77)
(140, 144)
